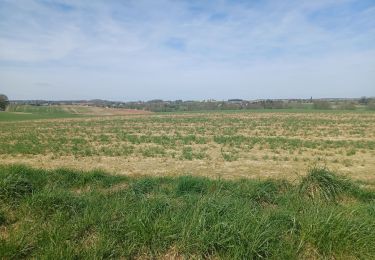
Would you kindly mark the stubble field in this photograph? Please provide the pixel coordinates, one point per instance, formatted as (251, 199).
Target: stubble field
(227, 145)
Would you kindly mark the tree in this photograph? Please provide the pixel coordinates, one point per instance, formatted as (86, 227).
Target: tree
(4, 102)
(363, 100)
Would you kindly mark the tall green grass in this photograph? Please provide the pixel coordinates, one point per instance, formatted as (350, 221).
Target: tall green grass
(65, 214)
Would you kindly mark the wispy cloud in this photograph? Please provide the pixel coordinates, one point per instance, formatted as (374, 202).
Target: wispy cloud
(187, 49)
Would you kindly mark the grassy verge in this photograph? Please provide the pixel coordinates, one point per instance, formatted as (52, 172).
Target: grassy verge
(70, 214)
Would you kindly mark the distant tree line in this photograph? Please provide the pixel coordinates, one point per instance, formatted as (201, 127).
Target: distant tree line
(237, 104)
(158, 105)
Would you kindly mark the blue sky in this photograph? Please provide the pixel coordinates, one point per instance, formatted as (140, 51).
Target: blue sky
(170, 49)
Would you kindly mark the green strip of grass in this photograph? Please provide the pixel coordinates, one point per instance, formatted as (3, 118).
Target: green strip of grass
(12, 116)
(27, 112)
(69, 214)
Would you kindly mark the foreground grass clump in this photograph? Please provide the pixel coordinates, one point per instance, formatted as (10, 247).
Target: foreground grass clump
(323, 184)
(71, 214)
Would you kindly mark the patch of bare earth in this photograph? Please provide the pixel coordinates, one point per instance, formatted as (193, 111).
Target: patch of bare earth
(103, 111)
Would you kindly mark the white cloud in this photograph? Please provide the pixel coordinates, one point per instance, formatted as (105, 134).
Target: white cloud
(269, 49)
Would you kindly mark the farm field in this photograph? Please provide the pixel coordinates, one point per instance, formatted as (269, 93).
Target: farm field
(270, 184)
(27, 112)
(265, 144)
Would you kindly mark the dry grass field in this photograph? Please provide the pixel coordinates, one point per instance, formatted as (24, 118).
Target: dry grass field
(280, 144)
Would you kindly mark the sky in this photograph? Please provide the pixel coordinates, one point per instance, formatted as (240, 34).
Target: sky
(129, 50)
